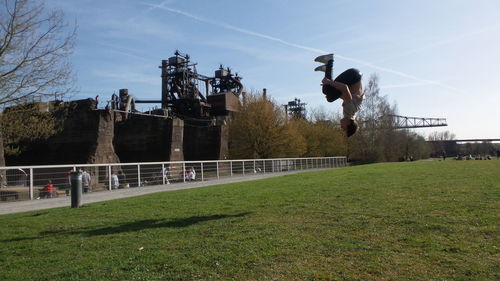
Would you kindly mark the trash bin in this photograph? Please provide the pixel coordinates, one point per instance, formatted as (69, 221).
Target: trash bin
(76, 189)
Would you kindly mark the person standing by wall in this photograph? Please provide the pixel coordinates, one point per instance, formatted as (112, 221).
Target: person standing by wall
(86, 181)
(115, 182)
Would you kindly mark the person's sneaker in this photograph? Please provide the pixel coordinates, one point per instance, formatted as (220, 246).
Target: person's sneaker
(324, 58)
(321, 68)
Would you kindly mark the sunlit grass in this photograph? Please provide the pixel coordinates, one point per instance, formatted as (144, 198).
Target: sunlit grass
(397, 221)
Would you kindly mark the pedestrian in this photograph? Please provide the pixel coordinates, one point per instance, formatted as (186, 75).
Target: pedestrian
(165, 175)
(86, 181)
(48, 190)
(115, 182)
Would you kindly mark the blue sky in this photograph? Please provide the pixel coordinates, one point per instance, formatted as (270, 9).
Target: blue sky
(435, 58)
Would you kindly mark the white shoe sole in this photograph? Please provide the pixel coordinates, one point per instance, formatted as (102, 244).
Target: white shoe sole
(321, 68)
(324, 58)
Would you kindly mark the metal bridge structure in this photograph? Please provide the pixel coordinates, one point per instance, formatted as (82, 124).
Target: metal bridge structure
(405, 122)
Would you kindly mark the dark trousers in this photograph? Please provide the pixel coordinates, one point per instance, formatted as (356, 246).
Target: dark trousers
(331, 93)
(329, 68)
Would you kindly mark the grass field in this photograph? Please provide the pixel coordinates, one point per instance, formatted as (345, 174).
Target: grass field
(434, 220)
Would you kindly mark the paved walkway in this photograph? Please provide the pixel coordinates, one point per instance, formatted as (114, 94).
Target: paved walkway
(65, 201)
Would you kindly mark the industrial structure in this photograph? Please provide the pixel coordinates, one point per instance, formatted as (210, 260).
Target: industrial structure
(189, 123)
(296, 109)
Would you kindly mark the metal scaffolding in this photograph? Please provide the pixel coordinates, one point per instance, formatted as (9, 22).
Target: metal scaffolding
(405, 122)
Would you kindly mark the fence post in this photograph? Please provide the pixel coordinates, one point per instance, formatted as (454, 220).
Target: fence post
(254, 167)
(109, 177)
(264, 166)
(31, 184)
(76, 189)
(243, 167)
(201, 171)
(138, 175)
(184, 171)
(217, 167)
(163, 174)
(231, 167)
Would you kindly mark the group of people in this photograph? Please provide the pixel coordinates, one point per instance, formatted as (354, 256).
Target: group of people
(48, 190)
(190, 174)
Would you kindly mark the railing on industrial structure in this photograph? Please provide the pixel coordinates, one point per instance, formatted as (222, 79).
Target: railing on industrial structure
(27, 182)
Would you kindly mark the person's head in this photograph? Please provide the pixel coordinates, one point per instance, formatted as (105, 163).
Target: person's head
(349, 126)
(49, 182)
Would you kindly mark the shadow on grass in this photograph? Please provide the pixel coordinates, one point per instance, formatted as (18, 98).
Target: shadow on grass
(131, 226)
(149, 224)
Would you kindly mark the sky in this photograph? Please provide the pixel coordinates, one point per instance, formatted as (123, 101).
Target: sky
(435, 59)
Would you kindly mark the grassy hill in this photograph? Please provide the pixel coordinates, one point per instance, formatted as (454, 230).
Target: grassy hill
(396, 221)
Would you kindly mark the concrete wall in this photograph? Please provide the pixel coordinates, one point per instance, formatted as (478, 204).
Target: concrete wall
(86, 137)
(105, 136)
(204, 141)
(143, 138)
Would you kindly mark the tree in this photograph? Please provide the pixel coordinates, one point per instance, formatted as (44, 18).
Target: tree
(441, 136)
(34, 52)
(260, 130)
(377, 139)
(323, 137)
(24, 124)
(439, 143)
(35, 45)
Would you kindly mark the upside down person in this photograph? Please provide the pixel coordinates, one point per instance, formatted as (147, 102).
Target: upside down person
(348, 87)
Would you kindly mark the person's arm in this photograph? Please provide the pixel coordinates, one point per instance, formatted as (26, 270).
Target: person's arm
(357, 89)
(343, 88)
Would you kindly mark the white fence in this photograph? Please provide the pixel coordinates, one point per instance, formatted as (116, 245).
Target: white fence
(27, 182)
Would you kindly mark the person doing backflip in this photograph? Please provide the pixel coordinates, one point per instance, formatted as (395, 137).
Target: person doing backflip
(346, 86)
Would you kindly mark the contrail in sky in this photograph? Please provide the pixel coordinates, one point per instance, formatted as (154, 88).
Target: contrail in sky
(314, 50)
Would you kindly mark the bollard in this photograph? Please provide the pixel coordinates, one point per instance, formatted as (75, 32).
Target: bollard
(76, 189)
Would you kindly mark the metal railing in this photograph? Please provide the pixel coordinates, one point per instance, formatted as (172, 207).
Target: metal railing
(27, 182)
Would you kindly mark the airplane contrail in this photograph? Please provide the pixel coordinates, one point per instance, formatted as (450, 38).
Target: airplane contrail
(306, 48)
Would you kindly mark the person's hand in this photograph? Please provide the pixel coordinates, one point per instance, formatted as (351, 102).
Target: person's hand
(325, 81)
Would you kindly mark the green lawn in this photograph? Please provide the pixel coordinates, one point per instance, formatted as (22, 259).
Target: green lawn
(397, 221)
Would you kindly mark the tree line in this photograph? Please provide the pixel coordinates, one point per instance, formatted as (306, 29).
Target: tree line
(35, 49)
(261, 129)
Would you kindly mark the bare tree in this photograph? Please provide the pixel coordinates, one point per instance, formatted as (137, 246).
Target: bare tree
(35, 45)
(378, 140)
(441, 136)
